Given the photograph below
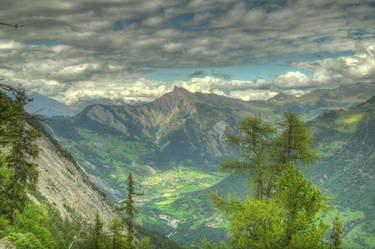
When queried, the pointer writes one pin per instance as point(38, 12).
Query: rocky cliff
point(67, 187)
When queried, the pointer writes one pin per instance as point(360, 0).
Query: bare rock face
point(67, 187)
point(5, 244)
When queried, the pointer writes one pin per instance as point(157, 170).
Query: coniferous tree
point(301, 201)
point(254, 144)
point(96, 234)
point(336, 233)
point(281, 213)
point(130, 211)
point(117, 238)
point(291, 146)
point(18, 137)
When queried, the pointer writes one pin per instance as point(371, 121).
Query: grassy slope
point(347, 142)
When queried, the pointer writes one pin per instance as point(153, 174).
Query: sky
point(138, 50)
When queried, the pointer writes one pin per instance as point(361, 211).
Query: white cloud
point(253, 94)
point(153, 21)
point(173, 47)
point(89, 58)
point(344, 70)
point(292, 80)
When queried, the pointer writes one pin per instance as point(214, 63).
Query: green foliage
point(96, 236)
point(19, 138)
point(294, 142)
point(144, 243)
point(301, 200)
point(39, 223)
point(129, 210)
point(117, 239)
point(265, 155)
point(25, 241)
point(254, 145)
point(287, 218)
point(336, 234)
point(205, 244)
point(258, 224)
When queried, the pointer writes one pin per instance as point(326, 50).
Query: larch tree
point(293, 145)
point(281, 212)
point(253, 143)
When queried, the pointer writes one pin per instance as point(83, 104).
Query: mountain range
point(173, 144)
point(41, 105)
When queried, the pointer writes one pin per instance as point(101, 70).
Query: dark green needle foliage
point(96, 234)
point(281, 213)
point(118, 240)
point(130, 211)
point(18, 139)
point(336, 234)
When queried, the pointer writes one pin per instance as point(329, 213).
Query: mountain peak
point(283, 97)
point(177, 89)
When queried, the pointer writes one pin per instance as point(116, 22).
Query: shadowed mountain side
point(47, 107)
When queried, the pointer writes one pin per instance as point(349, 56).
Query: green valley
point(173, 146)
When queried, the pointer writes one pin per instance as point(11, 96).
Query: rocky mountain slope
point(67, 187)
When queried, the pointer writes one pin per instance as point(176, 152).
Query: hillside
point(173, 146)
point(47, 107)
point(346, 140)
point(320, 101)
point(67, 187)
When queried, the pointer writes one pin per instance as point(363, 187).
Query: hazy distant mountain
point(47, 107)
point(319, 101)
point(179, 128)
point(81, 104)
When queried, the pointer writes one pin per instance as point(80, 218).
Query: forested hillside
point(47, 200)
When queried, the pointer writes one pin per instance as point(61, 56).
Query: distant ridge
point(47, 107)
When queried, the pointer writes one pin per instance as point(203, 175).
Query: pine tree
point(336, 233)
point(130, 211)
point(19, 138)
point(96, 234)
point(117, 240)
point(301, 201)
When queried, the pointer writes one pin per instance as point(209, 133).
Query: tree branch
point(16, 26)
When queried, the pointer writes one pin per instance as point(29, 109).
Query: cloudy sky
point(137, 50)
